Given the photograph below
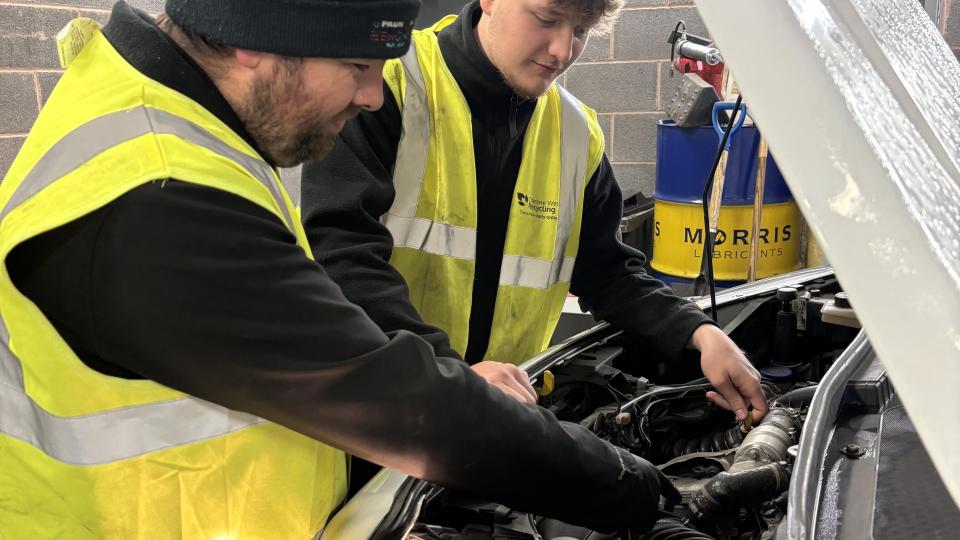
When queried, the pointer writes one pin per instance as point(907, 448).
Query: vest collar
point(140, 42)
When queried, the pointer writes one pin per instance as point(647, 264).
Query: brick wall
point(625, 76)
point(29, 68)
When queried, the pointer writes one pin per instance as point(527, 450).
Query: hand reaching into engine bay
point(507, 377)
point(728, 370)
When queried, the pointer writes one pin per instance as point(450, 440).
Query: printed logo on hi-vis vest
point(537, 208)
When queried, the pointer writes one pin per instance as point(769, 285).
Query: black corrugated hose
point(673, 529)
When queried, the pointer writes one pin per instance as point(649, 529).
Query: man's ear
point(249, 59)
point(486, 6)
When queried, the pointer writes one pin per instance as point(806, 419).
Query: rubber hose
point(672, 529)
point(797, 398)
point(729, 491)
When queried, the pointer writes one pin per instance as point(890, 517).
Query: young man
point(173, 363)
point(481, 186)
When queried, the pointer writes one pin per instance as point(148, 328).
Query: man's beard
point(285, 140)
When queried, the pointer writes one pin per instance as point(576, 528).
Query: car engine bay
point(733, 477)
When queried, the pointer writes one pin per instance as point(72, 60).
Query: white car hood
point(860, 103)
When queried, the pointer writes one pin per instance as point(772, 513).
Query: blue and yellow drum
point(684, 157)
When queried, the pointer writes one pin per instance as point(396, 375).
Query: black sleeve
point(208, 293)
point(610, 280)
point(343, 197)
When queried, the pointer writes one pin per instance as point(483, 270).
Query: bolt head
point(793, 452)
point(853, 451)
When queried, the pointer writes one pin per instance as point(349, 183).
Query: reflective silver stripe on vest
point(117, 434)
point(535, 273)
point(407, 229)
point(133, 431)
point(574, 149)
point(460, 242)
point(411, 155)
point(414, 139)
point(10, 371)
point(433, 237)
point(105, 132)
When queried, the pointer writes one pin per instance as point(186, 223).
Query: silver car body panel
point(804, 495)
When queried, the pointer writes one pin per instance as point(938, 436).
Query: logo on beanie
point(392, 33)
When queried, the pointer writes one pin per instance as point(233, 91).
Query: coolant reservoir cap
point(776, 373)
point(786, 293)
point(841, 301)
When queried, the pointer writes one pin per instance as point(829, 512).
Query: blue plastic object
point(684, 156)
point(715, 118)
point(776, 373)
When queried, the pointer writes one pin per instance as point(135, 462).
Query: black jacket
point(208, 293)
point(345, 194)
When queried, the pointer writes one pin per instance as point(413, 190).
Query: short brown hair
point(204, 51)
point(599, 16)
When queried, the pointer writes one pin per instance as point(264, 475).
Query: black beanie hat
point(307, 28)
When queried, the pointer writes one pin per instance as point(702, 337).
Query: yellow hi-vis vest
point(433, 219)
point(85, 455)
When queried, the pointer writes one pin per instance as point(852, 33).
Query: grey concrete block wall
point(29, 68)
point(8, 150)
point(597, 49)
point(625, 78)
point(608, 87)
point(47, 81)
point(27, 35)
point(634, 178)
point(20, 106)
point(634, 137)
point(644, 32)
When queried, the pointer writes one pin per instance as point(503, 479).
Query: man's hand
point(509, 378)
point(729, 371)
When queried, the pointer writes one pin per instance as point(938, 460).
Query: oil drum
point(684, 158)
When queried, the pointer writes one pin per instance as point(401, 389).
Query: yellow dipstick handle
point(547, 387)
